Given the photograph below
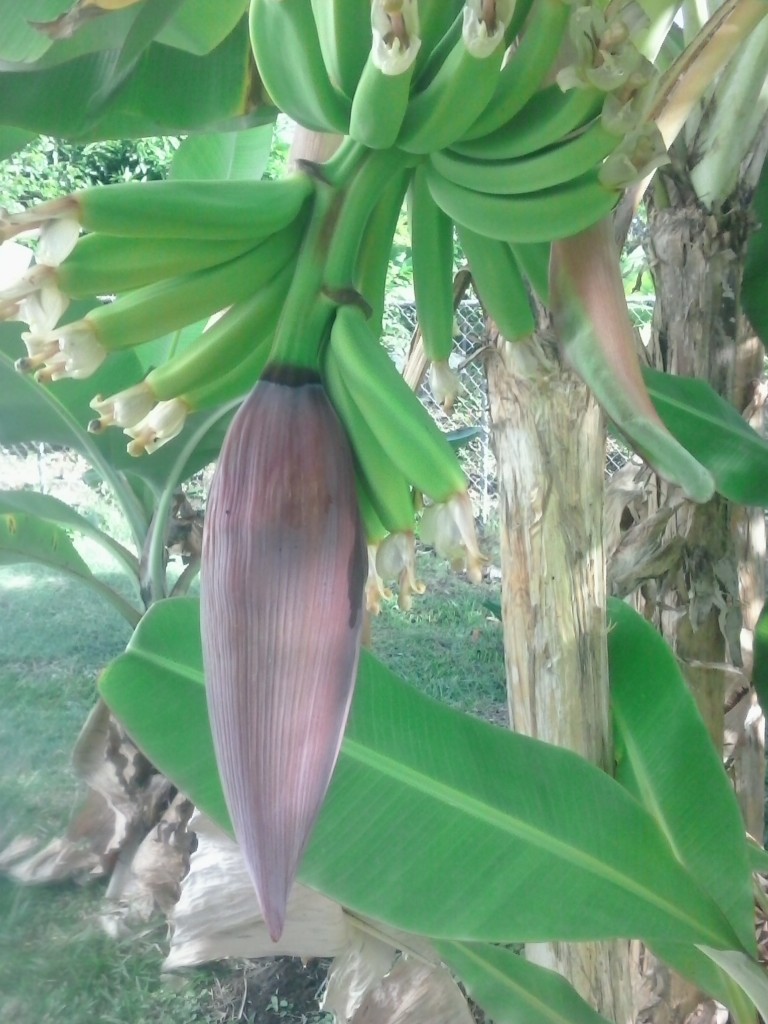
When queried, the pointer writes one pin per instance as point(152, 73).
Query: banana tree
point(454, 104)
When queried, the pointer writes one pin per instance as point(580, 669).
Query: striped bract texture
point(284, 567)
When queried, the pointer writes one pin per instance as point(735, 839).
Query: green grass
point(55, 961)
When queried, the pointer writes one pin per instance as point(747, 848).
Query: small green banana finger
point(432, 257)
point(342, 30)
point(106, 264)
point(166, 306)
point(381, 97)
point(533, 260)
point(375, 253)
point(499, 283)
point(548, 167)
point(398, 420)
point(549, 116)
point(536, 217)
point(389, 492)
point(205, 210)
point(226, 343)
point(436, 17)
point(290, 63)
point(442, 111)
point(526, 69)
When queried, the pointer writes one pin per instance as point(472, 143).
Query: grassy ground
point(55, 962)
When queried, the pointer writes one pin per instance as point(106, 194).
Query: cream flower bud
point(396, 42)
point(450, 529)
point(75, 351)
point(375, 589)
point(58, 238)
point(161, 424)
point(124, 409)
point(444, 384)
point(396, 560)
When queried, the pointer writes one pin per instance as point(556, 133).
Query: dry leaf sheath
point(284, 567)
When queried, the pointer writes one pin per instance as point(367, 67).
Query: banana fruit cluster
point(465, 110)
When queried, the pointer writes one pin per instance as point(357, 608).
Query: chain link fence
point(33, 465)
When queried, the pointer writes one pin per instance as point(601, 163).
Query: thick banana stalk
point(593, 327)
point(284, 569)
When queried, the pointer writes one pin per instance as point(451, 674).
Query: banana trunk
point(284, 569)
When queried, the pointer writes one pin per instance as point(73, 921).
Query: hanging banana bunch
point(464, 107)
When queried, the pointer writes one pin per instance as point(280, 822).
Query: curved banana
point(290, 63)
point(388, 490)
point(592, 323)
point(535, 217)
point(166, 306)
point(375, 253)
point(542, 169)
point(442, 111)
point(548, 116)
point(533, 260)
point(526, 69)
point(106, 264)
point(398, 420)
point(432, 258)
point(342, 31)
point(246, 326)
point(499, 283)
point(436, 20)
point(381, 97)
point(249, 210)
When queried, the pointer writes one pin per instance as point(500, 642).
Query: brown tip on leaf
point(67, 24)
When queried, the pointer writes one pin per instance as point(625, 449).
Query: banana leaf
point(26, 539)
point(513, 991)
point(166, 91)
point(666, 759)
point(754, 288)
point(435, 822)
point(714, 433)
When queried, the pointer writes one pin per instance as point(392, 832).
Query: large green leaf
point(714, 433)
point(760, 659)
point(755, 282)
point(24, 538)
point(435, 822)
point(199, 26)
point(709, 977)
point(666, 759)
point(224, 155)
point(166, 92)
point(50, 510)
point(513, 991)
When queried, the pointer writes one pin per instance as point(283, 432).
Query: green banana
point(176, 209)
point(526, 69)
point(388, 490)
point(290, 63)
point(398, 420)
point(436, 19)
point(536, 217)
point(443, 110)
point(549, 116)
point(160, 308)
point(236, 382)
point(542, 169)
point(105, 264)
point(381, 97)
point(248, 325)
point(499, 283)
point(375, 253)
point(533, 260)
point(432, 257)
point(342, 31)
